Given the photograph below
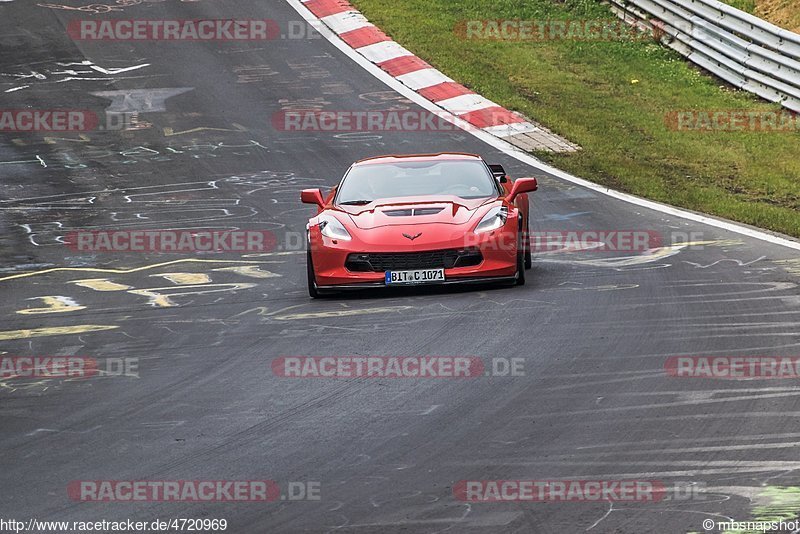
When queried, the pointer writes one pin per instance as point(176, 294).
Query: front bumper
point(498, 249)
point(452, 281)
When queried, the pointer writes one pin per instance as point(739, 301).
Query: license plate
point(421, 276)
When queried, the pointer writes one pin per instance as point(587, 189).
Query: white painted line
point(345, 21)
point(465, 103)
point(526, 158)
point(120, 70)
point(507, 130)
point(421, 79)
point(383, 51)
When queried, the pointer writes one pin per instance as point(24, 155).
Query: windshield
point(462, 178)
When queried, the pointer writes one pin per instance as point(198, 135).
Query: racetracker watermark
point(595, 240)
point(553, 241)
point(592, 241)
point(374, 121)
point(174, 241)
point(188, 30)
point(733, 367)
point(577, 491)
point(48, 120)
point(66, 120)
point(559, 490)
point(395, 367)
point(555, 30)
point(38, 367)
point(733, 121)
point(192, 491)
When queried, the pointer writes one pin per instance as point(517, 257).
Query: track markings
point(53, 331)
point(53, 304)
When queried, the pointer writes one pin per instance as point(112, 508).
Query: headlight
point(331, 227)
point(494, 219)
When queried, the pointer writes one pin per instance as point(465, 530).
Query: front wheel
point(528, 253)
point(312, 279)
point(520, 263)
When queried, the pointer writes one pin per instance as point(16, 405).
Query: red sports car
point(419, 219)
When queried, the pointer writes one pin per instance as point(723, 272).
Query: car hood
point(416, 211)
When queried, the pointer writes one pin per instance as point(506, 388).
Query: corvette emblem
point(412, 237)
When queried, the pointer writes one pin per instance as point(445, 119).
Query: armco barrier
point(743, 50)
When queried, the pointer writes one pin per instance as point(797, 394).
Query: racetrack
point(594, 328)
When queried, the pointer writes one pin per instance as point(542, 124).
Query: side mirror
point(312, 196)
point(522, 185)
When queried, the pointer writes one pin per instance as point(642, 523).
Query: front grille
point(406, 261)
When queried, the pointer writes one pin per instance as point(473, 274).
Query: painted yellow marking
point(82, 138)
point(253, 271)
point(54, 304)
point(790, 266)
point(710, 243)
point(101, 284)
point(161, 300)
point(118, 271)
point(169, 132)
point(720, 243)
point(53, 331)
point(156, 299)
point(341, 313)
point(185, 278)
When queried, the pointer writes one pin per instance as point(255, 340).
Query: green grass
point(748, 6)
point(585, 92)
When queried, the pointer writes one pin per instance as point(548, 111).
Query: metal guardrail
point(743, 50)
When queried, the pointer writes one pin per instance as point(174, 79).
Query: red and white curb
point(378, 48)
point(686, 218)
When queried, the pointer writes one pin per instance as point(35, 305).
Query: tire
point(528, 253)
point(520, 263)
point(312, 280)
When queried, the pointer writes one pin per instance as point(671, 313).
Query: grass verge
point(748, 6)
point(612, 97)
point(784, 13)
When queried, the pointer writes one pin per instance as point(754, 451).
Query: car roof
point(442, 156)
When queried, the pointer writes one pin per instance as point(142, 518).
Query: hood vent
point(412, 212)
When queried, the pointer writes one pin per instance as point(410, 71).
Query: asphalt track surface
point(594, 329)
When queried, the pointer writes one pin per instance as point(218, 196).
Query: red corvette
point(419, 219)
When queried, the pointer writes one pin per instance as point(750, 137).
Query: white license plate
point(420, 276)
